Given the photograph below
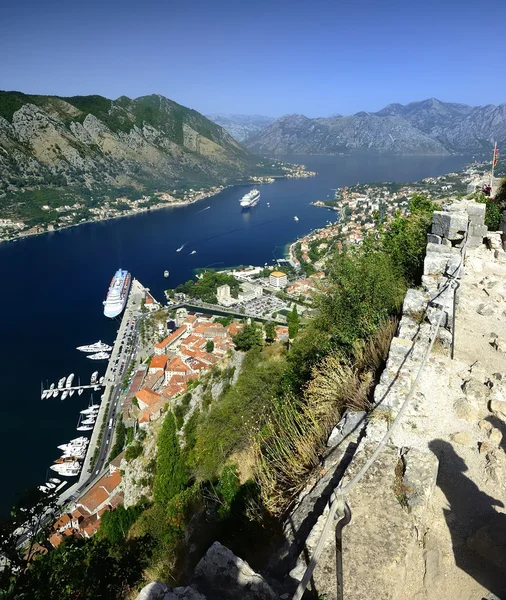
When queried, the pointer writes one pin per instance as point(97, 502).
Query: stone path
point(463, 553)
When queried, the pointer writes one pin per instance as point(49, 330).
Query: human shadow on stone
point(477, 530)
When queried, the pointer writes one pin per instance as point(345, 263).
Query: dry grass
point(289, 447)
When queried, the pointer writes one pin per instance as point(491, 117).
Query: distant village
point(77, 213)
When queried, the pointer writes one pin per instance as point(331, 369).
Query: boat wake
point(181, 247)
point(200, 211)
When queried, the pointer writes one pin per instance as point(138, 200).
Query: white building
point(223, 296)
point(278, 280)
point(249, 292)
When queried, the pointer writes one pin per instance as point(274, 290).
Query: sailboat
point(81, 426)
point(181, 247)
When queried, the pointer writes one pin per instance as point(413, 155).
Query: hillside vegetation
point(86, 148)
point(231, 466)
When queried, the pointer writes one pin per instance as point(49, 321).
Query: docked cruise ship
point(117, 294)
point(250, 199)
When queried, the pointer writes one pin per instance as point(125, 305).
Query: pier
point(75, 388)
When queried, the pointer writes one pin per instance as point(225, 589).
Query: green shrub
point(171, 473)
point(133, 451)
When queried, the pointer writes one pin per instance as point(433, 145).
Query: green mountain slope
point(90, 145)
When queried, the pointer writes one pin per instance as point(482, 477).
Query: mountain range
point(91, 143)
point(426, 127)
point(241, 127)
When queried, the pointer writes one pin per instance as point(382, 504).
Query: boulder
point(485, 425)
point(463, 438)
point(495, 436)
point(498, 408)
point(486, 310)
point(465, 410)
point(156, 590)
point(475, 391)
point(221, 575)
point(435, 264)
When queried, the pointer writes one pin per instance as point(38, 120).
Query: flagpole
point(493, 163)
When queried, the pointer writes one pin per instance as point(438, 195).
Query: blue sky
point(315, 57)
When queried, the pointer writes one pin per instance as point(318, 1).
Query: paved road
point(123, 352)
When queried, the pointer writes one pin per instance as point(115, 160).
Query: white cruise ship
point(117, 294)
point(250, 199)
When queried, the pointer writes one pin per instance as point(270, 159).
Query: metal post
point(457, 284)
point(339, 550)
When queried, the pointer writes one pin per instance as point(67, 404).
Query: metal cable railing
point(338, 502)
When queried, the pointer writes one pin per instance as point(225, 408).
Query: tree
point(84, 570)
point(270, 331)
point(115, 524)
point(209, 346)
point(293, 323)
point(171, 473)
point(247, 337)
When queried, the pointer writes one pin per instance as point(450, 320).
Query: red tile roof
point(171, 338)
point(147, 396)
point(158, 361)
point(176, 364)
point(94, 498)
point(110, 482)
point(56, 539)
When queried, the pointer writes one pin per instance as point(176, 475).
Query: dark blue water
point(53, 286)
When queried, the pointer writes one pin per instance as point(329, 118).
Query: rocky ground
point(463, 421)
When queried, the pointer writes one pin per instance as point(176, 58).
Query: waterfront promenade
point(109, 400)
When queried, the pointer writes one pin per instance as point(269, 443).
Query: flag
point(496, 155)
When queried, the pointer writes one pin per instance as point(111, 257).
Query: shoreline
point(175, 204)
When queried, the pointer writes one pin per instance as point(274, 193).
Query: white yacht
point(45, 394)
point(94, 377)
point(89, 421)
point(80, 391)
point(55, 393)
point(296, 218)
point(61, 383)
point(98, 356)
point(99, 346)
point(43, 488)
point(70, 469)
point(71, 392)
point(65, 394)
point(55, 480)
point(70, 379)
point(250, 199)
point(101, 380)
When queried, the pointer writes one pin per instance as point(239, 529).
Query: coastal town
point(182, 342)
point(59, 215)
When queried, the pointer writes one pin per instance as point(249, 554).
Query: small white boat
point(70, 379)
point(165, 274)
point(89, 411)
point(42, 488)
point(71, 392)
point(80, 391)
point(94, 377)
point(84, 428)
point(99, 356)
point(181, 247)
point(55, 393)
point(193, 252)
point(101, 380)
point(65, 394)
point(88, 421)
point(51, 387)
point(296, 218)
point(268, 203)
point(51, 486)
point(61, 383)
point(45, 393)
point(55, 480)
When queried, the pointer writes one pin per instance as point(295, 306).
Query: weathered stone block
point(478, 230)
point(435, 263)
point(415, 302)
point(434, 239)
point(449, 225)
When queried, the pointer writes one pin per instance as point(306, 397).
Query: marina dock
point(75, 388)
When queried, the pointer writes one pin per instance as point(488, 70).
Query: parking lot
point(264, 306)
